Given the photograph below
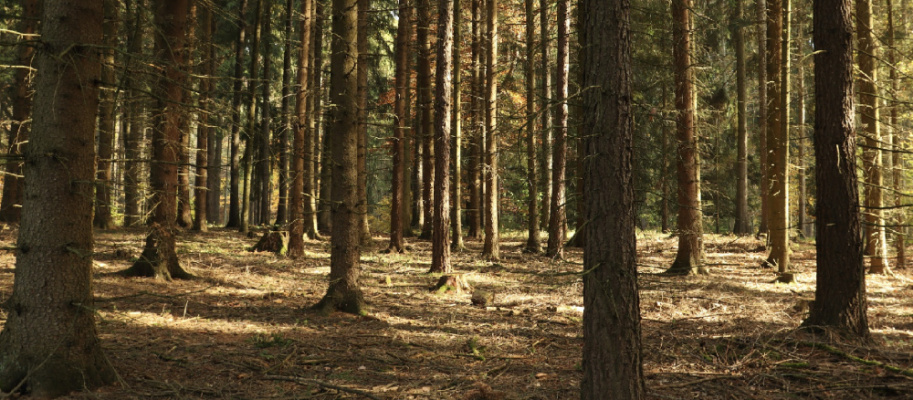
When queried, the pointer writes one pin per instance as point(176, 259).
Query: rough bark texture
point(234, 175)
point(875, 242)
point(397, 204)
point(344, 293)
point(742, 221)
point(612, 360)
point(778, 137)
point(557, 223)
point(300, 197)
point(762, 109)
point(423, 82)
point(456, 148)
point(250, 145)
point(185, 215)
point(264, 148)
point(898, 138)
point(133, 141)
point(158, 258)
point(689, 258)
point(312, 143)
point(285, 124)
point(106, 123)
point(440, 241)
point(205, 126)
point(362, 120)
point(801, 135)
point(474, 213)
point(545, 94)
point(491, 246)
point(840, 300)
point(49, 339)
point(533, 244)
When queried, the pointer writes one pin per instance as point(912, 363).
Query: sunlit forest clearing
point(244, 329)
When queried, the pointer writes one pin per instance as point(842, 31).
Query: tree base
point(341, 298)
point(451, 283)
point(684, 269)
point(159, 259)
point(272, 241)
point(785, 277)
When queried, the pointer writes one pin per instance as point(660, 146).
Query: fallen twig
point(305, 381)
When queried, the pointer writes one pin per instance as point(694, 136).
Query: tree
point(134, 112)
point(896, 156)
point(312, 143)
point(742, 222)
point(362, 119)
point(762, 111)
point(49, 340)
point(840, 300)
point(475, 153)
point(264, 171)
point(106, 123)
point(286, 124)
point(532, 242)
point(689, 257)
point(545, 95)
point(456, 214)
point(876, 243)
point(344, 293)
point(426, 127)
point(778, 136)
point(802, 202)
point(612, 361)
point(234, 196)
point(159, 259)
point(557, 224)
point(300, 198)
point(204, 128)
point(491, 246)
point(397, 202)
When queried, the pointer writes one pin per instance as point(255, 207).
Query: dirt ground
point(243, 329)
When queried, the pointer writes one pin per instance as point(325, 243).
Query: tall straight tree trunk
point(300, 198)
point(362, 120)
point(11, 201)
point(344, 293)
point(185, 216)
point(801, 132)
point(876, 243)
point(475, 149)
point(456, 213)
point(898, 138)
point(285, 124)
point(312, 143)
point(48, 344)
point(409, 133)
point(689, 258)
point(135, 108)
point(545, 95)
point(264, 147)
point(440, 241)
point(159, 258)
point(234, 196)
point(778, 136)
point(763, 112)
point(742, 222)
point(491, 246)
point(397, 204)
point(106, 123)
point(664, 202)
point(840, 300)
point(250, 141)
point(205, 124)
point(612, 359)
point(532, 242)
point(427, 124)
point(557, 224)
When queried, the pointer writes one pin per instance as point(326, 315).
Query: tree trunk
point(300, 197)
point(689, 258)
point(423, 80)
point(802, 203)
point(344, 293)
point(312, 143)
point(204, 126)
point(106, 123)
point(263, 162)
point(456, 213)
point(840, 300)
point(612, 360)
point(397, 205)
point(184, 215)
point(557, 224)
point(545, 93)
point(133, 136)
point(778, 135)
point(159, 259)
point(234, 196)
point(742, 222)
point(491, 246)
point(532, 242)
point(875, 244)
point(763, 111)
point(475, 148)
point(440, 242)
point(285, 124)
point(49, 343)
point(362, 120)
point(898, 138)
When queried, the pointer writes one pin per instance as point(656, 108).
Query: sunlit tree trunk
point(778, 136)
point(545, 95)
point(300, 198)
point(250, 141)
point(440, 242)
point(397, 205)
point(491, 246)
point(264, 170)
point(423, 80)
point(742, 223)
point(762, 111)
point(234, 196)
point(205, 124)
point(132, 136)
point(532, 242)
point(313, 180)
point(557, 224)
point(475, 149)
point(456, 196)
point(285, 126)
point(898, 138)
point(362, 119)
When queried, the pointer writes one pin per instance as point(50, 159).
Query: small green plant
point(475, 348)
point(262, 341)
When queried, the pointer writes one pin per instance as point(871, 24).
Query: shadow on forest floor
point(246, 323)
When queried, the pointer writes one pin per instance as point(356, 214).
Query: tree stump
point(272, 241)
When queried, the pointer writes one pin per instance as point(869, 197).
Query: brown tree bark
point(557, 224)
point(840, 300)
point(344, 293)
point(133, 140)
point(313, 156)
point(456, 195)
point(159, 259)
point(763, 111)
point(533, 244)
point(876, 244)
point(440, 241)
point(612, 360)
point(234, 196)
point(689, 258)
point(264, 146)
point(545, 94)
point(491, 246)
point(397, 204)
point(742, 222)
point(205, 125)
point(474, 172)
point(106, 122)
point(778, 136)
point(49, 342)
point(250, 140)
point(801, 132)
point(362, 120)
point(300, 198)
point(285, 124)
point(184, 214)
point(898, 137)
point(423, 82)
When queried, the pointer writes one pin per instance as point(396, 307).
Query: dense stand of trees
point(390, 124)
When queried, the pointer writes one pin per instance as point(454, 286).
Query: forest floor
point(243, 329)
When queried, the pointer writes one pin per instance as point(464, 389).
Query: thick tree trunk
point(840, 300)
point(300, 198)
point(234, 196)
point(159, 259)
point(557, 224)
point(423, 80)
point(876, 244)
point(742, 222)
point(689, 258)
point(205, 125)
point(344, 293)
point(491, 246)
point(106, 123)
point(532, 241)
point(397, 205)
point(440, 241)
point(778, 136)
point(612, 360)
point(49, 343)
